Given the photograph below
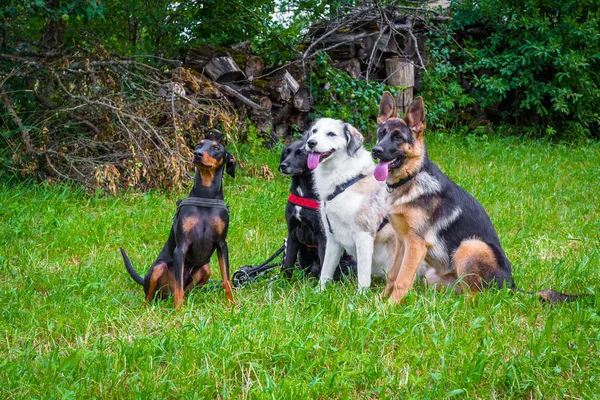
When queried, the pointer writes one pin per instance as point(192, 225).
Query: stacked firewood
point(274, 99)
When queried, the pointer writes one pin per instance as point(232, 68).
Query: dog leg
point(291, 255)
point(223, 256)
point(364, 259)
point(178, 266)
point(199, 278)
point(395, 266)
point(333, 252)
point(414, 253)
point(157, 280)
point(476, 264)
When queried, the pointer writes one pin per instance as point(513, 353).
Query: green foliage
point(339, 96)
point(533, 63)
point(75, 325)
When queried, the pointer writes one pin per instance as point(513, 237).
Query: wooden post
point(401, 72)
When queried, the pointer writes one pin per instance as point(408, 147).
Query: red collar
point(303, 202)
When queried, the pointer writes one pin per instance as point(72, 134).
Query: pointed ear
point(230, 166)
point(354, 138)
point(415, 116)
point(387, 108)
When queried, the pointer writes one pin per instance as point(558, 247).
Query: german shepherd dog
point(437, 221)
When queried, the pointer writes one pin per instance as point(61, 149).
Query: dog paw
point(322, 286)
point(362, 291)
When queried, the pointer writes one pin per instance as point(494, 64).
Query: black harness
point(200, 202)
point(339, 189)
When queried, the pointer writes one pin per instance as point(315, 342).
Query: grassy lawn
point(74, 324)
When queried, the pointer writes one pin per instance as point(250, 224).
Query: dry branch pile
point(363, 41)
point(109, 123)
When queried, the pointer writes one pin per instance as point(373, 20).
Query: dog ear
point(230, 166)
point(415, 116)
point(354, 138)
point(387, 108)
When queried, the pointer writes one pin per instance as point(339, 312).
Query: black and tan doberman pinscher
point(199, 228)
point(437, 220)
point(306, 239)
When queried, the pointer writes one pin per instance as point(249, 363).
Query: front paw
point(322, 286)
point(362, 290)
point(397, 296)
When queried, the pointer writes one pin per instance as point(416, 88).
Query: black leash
point(250, 273)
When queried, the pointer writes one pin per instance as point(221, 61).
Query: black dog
point(199, 228)
point(306, 240)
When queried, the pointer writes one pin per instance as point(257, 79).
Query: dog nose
point(377, 151)
point(283, 167)
point(198, 153)
point(311, 143)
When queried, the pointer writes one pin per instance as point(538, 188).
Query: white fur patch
point(424, 184)
point(437, 254)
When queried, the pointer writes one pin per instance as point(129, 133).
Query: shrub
point(533, 63)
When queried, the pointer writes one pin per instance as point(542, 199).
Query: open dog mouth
point(383, 167)
point(315, 158)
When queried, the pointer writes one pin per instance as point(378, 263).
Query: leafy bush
point(533, 63)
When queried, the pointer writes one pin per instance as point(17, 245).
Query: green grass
point(74, 324)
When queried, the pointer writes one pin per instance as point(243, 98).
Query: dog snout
point(377, 151)
point(311, 143)
point(198, 153)
point(283, 167)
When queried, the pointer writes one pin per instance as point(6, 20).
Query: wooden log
point(302, 100)
point(400, 72)
point(403, 100)
point(223, 69)
point(280, 112)
point(352, 67)
point(254, 67)
point(280, 87)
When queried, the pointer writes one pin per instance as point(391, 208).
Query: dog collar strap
point(400, 182)
point(340, 188)
point(303, 202)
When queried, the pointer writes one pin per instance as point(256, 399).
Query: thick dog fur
point(354, 215)
point(306, 239)
point(437, 221)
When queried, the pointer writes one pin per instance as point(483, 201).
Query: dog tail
point(134, 275)
point(552, 296)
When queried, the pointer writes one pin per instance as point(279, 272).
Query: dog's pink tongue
point(381, 170)
point(313, 160)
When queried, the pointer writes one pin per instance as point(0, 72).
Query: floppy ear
point(387, 108)
point(230, 166)
point(354, 138)
point(415, 116)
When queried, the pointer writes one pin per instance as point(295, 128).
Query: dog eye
point(330, 134)
point(299, 152)
point(398, 136)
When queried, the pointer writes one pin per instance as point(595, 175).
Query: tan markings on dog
point(214, 143)
point(475, 263)
point(190, 222)
point(415, 250)
point(217, 223)
point(421, 185)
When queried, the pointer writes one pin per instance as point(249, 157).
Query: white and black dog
point(353, 204)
